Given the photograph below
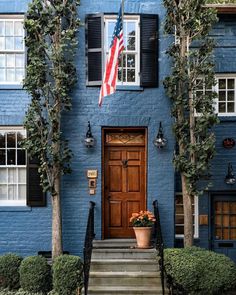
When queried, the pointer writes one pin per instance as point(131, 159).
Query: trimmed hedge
point(19, 292)
point(198, 271)
point(9, 271)
point(35, 274)
point(67, 274)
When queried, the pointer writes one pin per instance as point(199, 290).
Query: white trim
point(196, 218)
point(12, 203)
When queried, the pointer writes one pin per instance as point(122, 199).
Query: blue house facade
point(124, 172)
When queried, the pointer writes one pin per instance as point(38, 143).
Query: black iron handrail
point(158, 240)
point(88, 245)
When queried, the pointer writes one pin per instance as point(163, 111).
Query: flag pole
point(122, 55)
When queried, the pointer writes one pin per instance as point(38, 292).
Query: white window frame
point(14, 18)
point(196, 219)
point(127, 18)
point(216, 89)
point(15, 203)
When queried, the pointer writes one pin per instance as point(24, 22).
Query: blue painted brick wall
point(27, 230)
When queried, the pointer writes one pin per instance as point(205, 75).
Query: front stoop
point(117, 268)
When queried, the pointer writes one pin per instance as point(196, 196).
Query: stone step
point(114, 243)
point(124, 254)
point(124, 290)
point(124, 265)
point(124, 279)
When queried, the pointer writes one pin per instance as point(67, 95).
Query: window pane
point(2, 28)
point(12, 192)
point(22, 192)
point(20, 137)
point(179, 230)
point(2, 43)
point(2, 140)
point(20, 60)
point(11, 140)
point(222, 107)
point(111, 26)
point(230, 107)
point(2, 75)
point(11, 157)
point(21, 159)
point(12, 175)
point(230, 83)
point(19, 28)
point(130, 28)
point(225, 207)
point(3, 175)
point(9, 28)
point(2, 60)
point(179, 219)
point(222, 95)
point(9, 43)
point(231, 95)
point(130, 75)
point(120, 76)
point(19, 75)
point(222, 83)
point(131, 43)
point(2, 157)
point(10, 60)
point(19, 43)
point(233, 234)
point(130, 60)
point(3, 192)
point(10, 75)
point(22, 175)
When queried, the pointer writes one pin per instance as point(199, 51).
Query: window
point(179, 216)
point(12, 50)
point(138, 66)
point(225, 88)
point(128, 71)
point(12, 167)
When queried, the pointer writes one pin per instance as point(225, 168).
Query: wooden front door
point(124, 183)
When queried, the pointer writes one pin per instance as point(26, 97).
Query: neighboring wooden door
point(124, 188)
point(224, 225)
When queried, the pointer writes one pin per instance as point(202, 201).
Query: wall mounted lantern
point(160, 141)
point(89, 140)
point(230, 178)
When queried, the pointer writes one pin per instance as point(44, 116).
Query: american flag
point(117, 46)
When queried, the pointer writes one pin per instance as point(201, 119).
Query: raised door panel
point(133, 179)
point(115, 216)
point(115, 175)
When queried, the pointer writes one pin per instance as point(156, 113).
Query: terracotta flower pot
point(143, 236)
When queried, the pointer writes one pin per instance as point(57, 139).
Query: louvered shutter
point(149, 50)
point(35, 195)
point(94, 49)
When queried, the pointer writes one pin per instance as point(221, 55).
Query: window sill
point(129, 88)
point(11, 87)
point(15, 209)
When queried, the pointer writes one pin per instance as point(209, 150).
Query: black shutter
point(35, 195)
point(149, 50)
point(94, 49)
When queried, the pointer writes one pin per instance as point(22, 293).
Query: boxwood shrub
point(35, 274)
point(198, 271)
point(67, 274)
point(9, 271)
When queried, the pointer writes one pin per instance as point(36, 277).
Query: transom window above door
point(12, 49)
point(129, 66)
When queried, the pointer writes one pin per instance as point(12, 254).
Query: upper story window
point(129, 67)
point(12, 49)
point(139, 61)
point(12, 167)
point(225, 104)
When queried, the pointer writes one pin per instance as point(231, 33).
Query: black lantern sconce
point(89, 140)
point(160, 140)
point(230, 178)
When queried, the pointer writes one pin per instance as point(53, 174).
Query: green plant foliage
point(67, 274)
point(221, 2)
point(19, 292)
point(51, 43)
point(7, 292)
point(35, 274)
point(199, 271)
point(9, 271)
